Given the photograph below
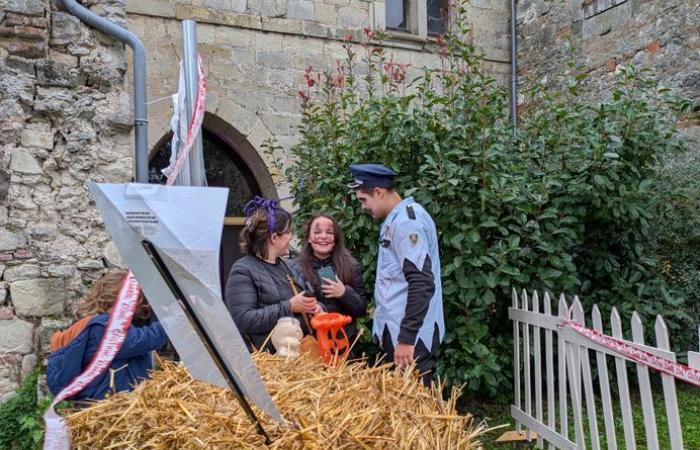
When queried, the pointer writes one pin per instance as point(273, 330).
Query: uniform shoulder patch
point(411, 213)
point(413, 237)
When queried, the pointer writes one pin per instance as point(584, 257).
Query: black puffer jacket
point(257, 294)
point(353, 302)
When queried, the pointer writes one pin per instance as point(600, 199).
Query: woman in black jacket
point(258, 289)
point(325, 252)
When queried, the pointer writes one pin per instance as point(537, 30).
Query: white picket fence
point(549, 416)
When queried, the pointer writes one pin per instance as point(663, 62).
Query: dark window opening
point(224, 168)
point(438, 14)
point(396, 14)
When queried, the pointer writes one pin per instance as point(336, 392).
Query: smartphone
point(327, 272)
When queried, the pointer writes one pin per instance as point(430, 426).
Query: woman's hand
point(303, 304)
point(332, 289)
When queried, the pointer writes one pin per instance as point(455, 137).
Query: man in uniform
point(408, 319)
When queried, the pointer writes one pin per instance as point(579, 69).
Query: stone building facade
point(65, 118)
point(601, 34)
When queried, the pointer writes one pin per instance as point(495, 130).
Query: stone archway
point(230, 161)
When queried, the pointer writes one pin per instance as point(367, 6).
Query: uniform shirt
point(407, 235)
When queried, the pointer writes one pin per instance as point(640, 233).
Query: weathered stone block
point(279, 124)
point(300, 9)
point(349, 17)
point(6, 312)
point(38, 297)
point(63, 59)
point(280, 25)
point(47, 328)
point(325, 13)
point(268, 8)
point(91, 264)
point(37, 135)
point(206, 15)
point(112, 256)
point(61, 271)
point(22, 272)
point(65, 28)
point(162, 8)
point(10, 241)
point(28, 364)
point(273, 59)
point(29, 7)
point(23, 162)
point(54, 100)
point(30, 50)
point(12, 19)
point(16, 336)
point(51, 73)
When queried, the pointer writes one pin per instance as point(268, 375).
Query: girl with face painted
point(327, 265)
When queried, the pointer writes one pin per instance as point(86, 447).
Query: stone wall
point(659, 34)
point(255, 53)
point(64, 119)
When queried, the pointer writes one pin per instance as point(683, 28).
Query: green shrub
point(564, 204)
point(21, 424)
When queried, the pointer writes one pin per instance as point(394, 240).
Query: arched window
point(224, 167)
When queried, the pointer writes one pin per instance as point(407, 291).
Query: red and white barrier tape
point(57, 436)
point(195, 123)
point(619, 346)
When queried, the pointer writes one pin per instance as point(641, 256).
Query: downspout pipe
point(513, 66)
point(140, 107)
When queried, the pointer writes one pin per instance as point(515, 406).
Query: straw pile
point(351, 406)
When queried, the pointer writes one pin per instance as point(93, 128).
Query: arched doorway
point(231, 162)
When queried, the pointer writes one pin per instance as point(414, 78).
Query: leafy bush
point(21, 424)
point(566, 203)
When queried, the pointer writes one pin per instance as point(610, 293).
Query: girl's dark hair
point(263, 221)
point(343, 261)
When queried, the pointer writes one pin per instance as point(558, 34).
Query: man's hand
point(403, 355)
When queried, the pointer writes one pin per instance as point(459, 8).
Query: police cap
point(371, 176)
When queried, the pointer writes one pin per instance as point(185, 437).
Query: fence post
point(645, 388)
point(549, 363)
point(538, 366)
point(561, 356)
point(669, 384)
point(526, 361)
point(623, 385)
point(516, 359)
point(602, 363)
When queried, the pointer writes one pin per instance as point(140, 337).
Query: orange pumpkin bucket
point(332, 339)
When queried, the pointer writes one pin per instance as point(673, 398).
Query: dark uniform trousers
point(425, 358)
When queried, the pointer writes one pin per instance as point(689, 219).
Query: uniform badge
point(413, 237)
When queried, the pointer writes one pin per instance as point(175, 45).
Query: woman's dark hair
point(265, 218)
point(343, 261)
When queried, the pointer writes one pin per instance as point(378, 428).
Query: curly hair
point(255, 234)
point(103, 295)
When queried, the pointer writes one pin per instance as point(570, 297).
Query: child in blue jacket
point(73, 348)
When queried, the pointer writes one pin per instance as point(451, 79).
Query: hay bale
point(351, 406)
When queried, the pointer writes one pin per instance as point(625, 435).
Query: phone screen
point(327, 272)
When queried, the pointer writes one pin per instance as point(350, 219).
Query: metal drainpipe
point(513, 66)
point(140, 109)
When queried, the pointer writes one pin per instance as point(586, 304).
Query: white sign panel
point(184, 226)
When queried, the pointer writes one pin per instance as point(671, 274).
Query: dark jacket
point(131, 364)
point(353, 302)
point(257, 295)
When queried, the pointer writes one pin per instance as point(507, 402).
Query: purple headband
point(263, 203)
